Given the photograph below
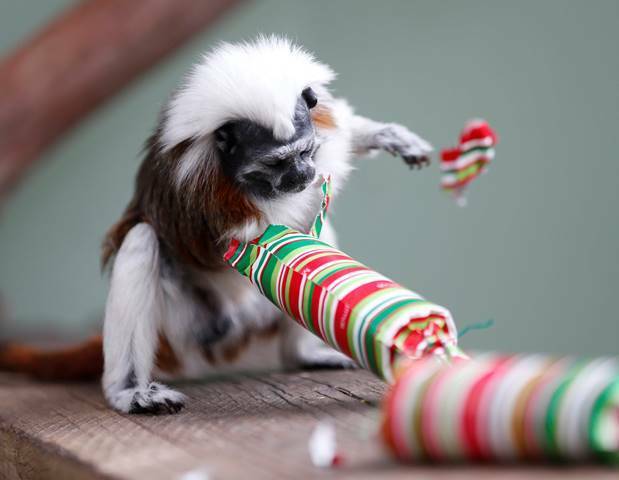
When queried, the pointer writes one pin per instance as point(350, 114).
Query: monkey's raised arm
point(369, 135)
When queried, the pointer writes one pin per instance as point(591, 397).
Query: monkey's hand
point(399, 140)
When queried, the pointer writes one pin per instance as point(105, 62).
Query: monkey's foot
point(399, 140)
point(155, 399)
point(324, 357)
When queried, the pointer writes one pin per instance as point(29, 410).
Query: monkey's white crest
point(259, 81)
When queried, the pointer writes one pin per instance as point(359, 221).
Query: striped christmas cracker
point(505, 408)
point(354, 309)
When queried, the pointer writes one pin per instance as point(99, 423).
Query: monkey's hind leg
point(302, 349)
point(130, 332)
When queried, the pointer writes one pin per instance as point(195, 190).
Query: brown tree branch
point(82, 58)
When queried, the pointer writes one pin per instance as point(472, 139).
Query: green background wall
point(536, 250)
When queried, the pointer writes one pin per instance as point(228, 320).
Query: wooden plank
point(245, 427)
point(80, 59)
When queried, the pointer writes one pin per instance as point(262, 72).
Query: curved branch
point(82, 58)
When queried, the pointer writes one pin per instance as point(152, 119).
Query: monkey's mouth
point(297, 183)
point(264, 186)
point(296, 189)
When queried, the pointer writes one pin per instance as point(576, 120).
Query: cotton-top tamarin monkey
point(238, 146)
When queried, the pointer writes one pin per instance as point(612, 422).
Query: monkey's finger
point(416, 161)
point(173, 407)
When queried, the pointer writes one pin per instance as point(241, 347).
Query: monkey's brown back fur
point(187, 224)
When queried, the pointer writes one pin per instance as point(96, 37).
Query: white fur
point(133, 306)
point(371, 136)
point(259, 81)
point(132, 316)
point(239, 300)
point(192, 158)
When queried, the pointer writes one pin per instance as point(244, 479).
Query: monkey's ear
point(310, 97)
point(225, 140)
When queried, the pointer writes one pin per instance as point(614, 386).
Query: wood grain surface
point(247, 427)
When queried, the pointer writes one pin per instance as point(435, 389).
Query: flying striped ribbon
point(464, 163)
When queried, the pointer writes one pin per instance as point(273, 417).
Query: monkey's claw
point(156, 408)
point(416, 162)
point(155, 399)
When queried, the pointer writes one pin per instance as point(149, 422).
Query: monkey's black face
point(264, 166)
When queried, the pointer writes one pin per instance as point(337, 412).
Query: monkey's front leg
point(130, 330)
point(368, 135)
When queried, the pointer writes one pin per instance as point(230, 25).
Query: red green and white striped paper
point(505, 408)
point(354, 309)
point(464, 163)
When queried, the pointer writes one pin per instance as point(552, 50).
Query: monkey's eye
point(310, 97)
point(275, 162)
point(225, 138)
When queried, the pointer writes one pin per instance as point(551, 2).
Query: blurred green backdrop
point(535, 250)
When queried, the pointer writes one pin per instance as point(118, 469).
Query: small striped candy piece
point(464, 163)
point(354, 309)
